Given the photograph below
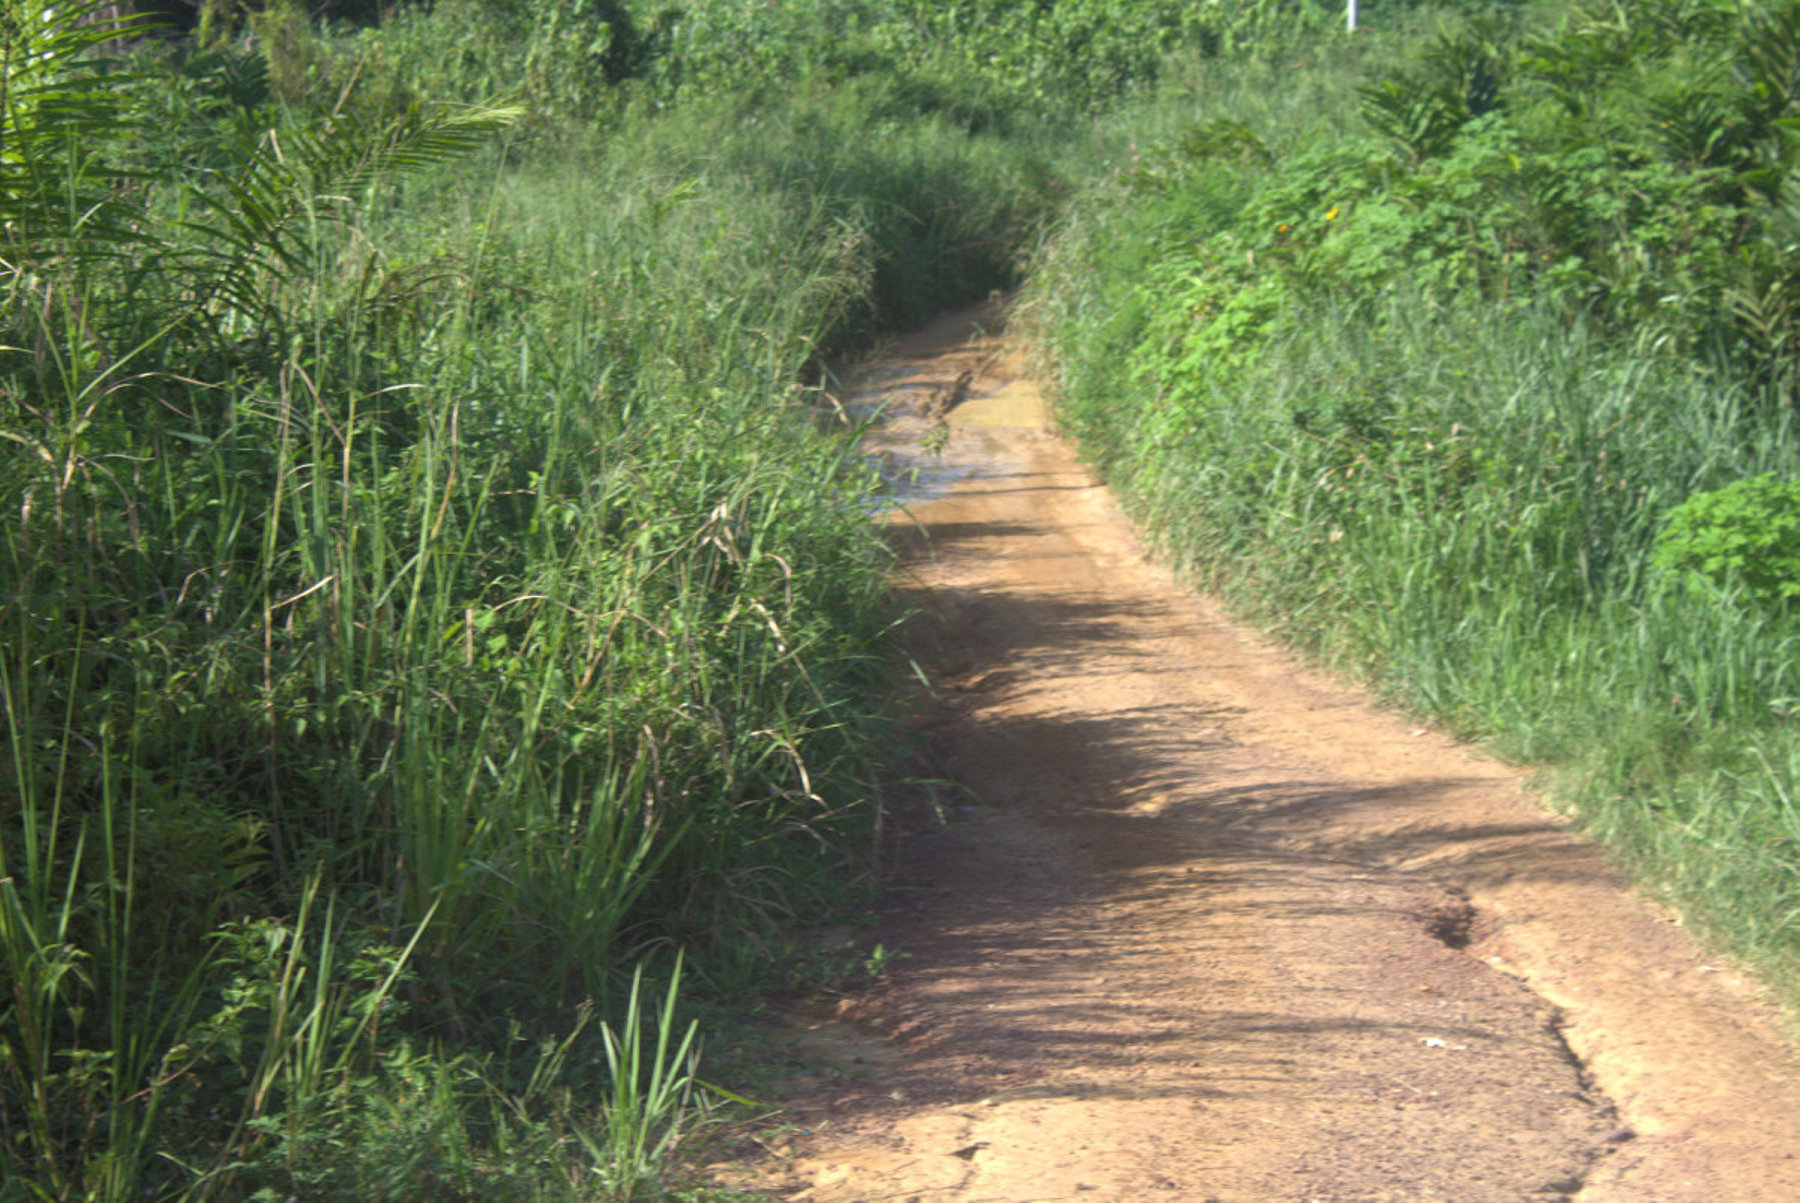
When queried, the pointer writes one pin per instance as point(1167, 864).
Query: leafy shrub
point(1746, 533)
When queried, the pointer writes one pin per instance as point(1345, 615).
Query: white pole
point(1350, 16)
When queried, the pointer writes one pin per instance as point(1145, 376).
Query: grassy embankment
point(1462, 364)
point(430, 586)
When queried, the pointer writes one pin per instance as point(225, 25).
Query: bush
point(1747, 533)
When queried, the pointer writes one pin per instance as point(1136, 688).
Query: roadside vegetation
point(1465, 359)
point(440, 627)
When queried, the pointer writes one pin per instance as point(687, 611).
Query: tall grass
point(436, 588)
point(1453, 492)
point(1492, 566)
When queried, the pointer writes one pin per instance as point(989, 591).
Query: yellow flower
point(1331, 213)
point(1282, 228)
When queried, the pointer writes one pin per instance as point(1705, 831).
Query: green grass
point(437, 589)
point(1449, 478)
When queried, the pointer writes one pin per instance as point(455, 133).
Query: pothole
point(1455, 922)
point(1452, 921)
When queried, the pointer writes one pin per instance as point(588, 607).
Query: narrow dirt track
point(1206, 926)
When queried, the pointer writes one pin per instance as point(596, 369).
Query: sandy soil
point(1205, 925)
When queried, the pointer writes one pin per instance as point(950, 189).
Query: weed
point(1747, 532)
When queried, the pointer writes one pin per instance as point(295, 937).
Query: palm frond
point(63, 106)
point(260, 223)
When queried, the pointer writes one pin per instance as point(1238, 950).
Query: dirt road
point(1204, 925)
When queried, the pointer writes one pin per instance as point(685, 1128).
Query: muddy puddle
point(925, 447)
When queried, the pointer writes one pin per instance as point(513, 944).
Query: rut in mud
point(1204, 926)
